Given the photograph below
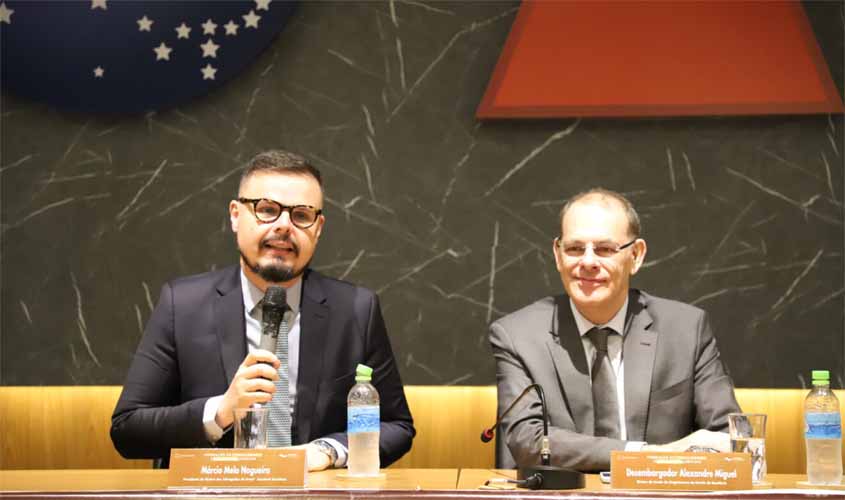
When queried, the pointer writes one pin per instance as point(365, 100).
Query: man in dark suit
point(199, 358)
point(621, 369)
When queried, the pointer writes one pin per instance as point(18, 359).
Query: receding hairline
point(606, 198)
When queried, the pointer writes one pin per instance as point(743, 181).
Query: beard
point(277, 271)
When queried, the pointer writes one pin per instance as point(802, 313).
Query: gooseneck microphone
point(543, 476)
point(272, 310)
point(490, 433)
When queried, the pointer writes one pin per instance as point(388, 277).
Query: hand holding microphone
point(253, 382)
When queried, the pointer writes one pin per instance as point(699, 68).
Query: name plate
point(651, 470)
point(237, 468)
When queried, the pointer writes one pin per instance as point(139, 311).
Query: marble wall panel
point(451, 220)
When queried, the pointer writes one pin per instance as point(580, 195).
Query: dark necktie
point(605, 404)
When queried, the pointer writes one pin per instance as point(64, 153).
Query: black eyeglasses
point(603, 250)
point(302, 216)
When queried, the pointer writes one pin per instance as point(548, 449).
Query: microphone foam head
point(275, 296)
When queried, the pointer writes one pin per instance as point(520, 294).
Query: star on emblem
point(231, 28)
point(208, 27)
point(208, 72)
point(262, 4)
point(209, 49)
point(251, 20)
point(162, 52)
point(5, 14)
point(183, 31)
point(99, 4)
point(98, 72)
point(144, 24)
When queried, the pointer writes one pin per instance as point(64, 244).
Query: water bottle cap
point(363, 373)
point(821, 375)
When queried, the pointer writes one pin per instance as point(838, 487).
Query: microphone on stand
point(545, 452)
point(544, 476)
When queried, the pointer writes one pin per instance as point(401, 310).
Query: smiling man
point(620, 369)
point(199, 358)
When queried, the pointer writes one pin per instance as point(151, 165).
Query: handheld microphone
point(272, 309)
point(544, 476)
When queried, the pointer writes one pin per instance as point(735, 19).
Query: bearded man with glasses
point(200, 356)
point(621, 369)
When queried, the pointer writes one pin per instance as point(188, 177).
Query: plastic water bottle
point(823, 432)
point(362, 425)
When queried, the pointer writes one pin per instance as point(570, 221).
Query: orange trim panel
point(659, 58)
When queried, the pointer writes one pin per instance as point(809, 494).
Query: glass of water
point(748, 435)
point(251, 427)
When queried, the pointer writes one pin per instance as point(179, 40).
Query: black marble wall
point(449, 219)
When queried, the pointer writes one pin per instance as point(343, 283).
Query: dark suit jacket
point(195, 341)
point(675, 382)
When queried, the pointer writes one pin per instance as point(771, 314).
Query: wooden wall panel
point(66, 427)
point(59, 427)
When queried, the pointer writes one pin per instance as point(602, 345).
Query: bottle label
point(826, 425)
point(362, 419)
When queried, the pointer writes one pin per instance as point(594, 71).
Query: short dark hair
point(280, 162)
point(634, 227)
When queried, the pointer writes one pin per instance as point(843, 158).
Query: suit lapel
point(230, 323)
point(638, 350)
point(313, 335)
point(570, 362)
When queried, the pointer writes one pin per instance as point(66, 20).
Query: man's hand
point(706, 439)
point(317, 458)
point(253, 383)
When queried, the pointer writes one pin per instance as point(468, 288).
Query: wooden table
point(397, 484)
point(130, 480)
point(83, 480)
point(473, 479)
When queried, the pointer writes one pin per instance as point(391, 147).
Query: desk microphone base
point(546, 477)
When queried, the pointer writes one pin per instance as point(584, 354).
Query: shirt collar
point(616, 323)
point(253, 295)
